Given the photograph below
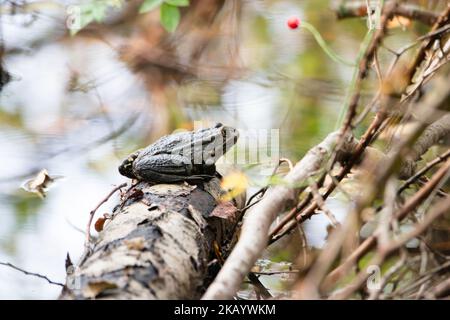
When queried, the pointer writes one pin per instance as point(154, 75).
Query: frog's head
point(229, 135)
point(222, 139)
point(126, 168)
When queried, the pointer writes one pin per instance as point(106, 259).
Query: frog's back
point(173, 143)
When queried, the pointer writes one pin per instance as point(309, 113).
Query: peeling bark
point(159, 245)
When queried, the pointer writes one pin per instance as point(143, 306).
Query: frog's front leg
point(166, 168)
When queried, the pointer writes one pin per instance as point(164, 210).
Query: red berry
point(293, 22)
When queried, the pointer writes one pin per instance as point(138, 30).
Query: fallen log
point(161, 243)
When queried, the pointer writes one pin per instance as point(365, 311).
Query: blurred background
point(77, 105)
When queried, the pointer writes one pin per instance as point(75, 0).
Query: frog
point(185, 156)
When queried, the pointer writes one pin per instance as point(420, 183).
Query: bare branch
point(91, 216)
point(371, 241)
point(255, 229)
point(358, 9)
point(424, 170)
point(7, 264)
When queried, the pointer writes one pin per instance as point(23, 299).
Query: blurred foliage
point(11, 119)
point(96, 11)
point(26, 208)
point(305, 105)
point(92, 11)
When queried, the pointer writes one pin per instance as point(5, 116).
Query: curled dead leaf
point(41, 183)
point(99, 224)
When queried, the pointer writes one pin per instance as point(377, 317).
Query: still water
point(76, 109)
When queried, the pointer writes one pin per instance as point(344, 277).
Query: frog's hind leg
point(166, 168)
point(198, 178)
point(170, 178)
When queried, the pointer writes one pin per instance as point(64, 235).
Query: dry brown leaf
point(40, 183)
point(99, 224)
point(225, 210)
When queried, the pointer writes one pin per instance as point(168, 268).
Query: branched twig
point(387, 249)
point(371, 241)
point(388, 275)
point(91, 217)
point(430, 137)
point(440, 22)
point(259, 287)
point(321, 205)
point(402, 291)
point(254, 234)
point(440, 290)
point(358, 9)
point(263, 190)
point(423, 171)
point(7, 264)
point(271, 273)
point(307, 209)
point(364, 65)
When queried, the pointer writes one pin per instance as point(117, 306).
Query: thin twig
point(92, 213)
point(385, 250)
point(307, 209)
point(371, 241)
point(255, 229)
point(388, 275)
point(7, 264)
point(440, 290)
point(271, 273)
point(425, 169)
point(359, 9)
point(364, 64)
point(440, 22)
point(263, 190)
point(321, 204)
point(259, 287)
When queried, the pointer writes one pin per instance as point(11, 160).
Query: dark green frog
point(184, 156)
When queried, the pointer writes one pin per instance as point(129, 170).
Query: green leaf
point(149, 5)
point(178, 3)
point(170, 17)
